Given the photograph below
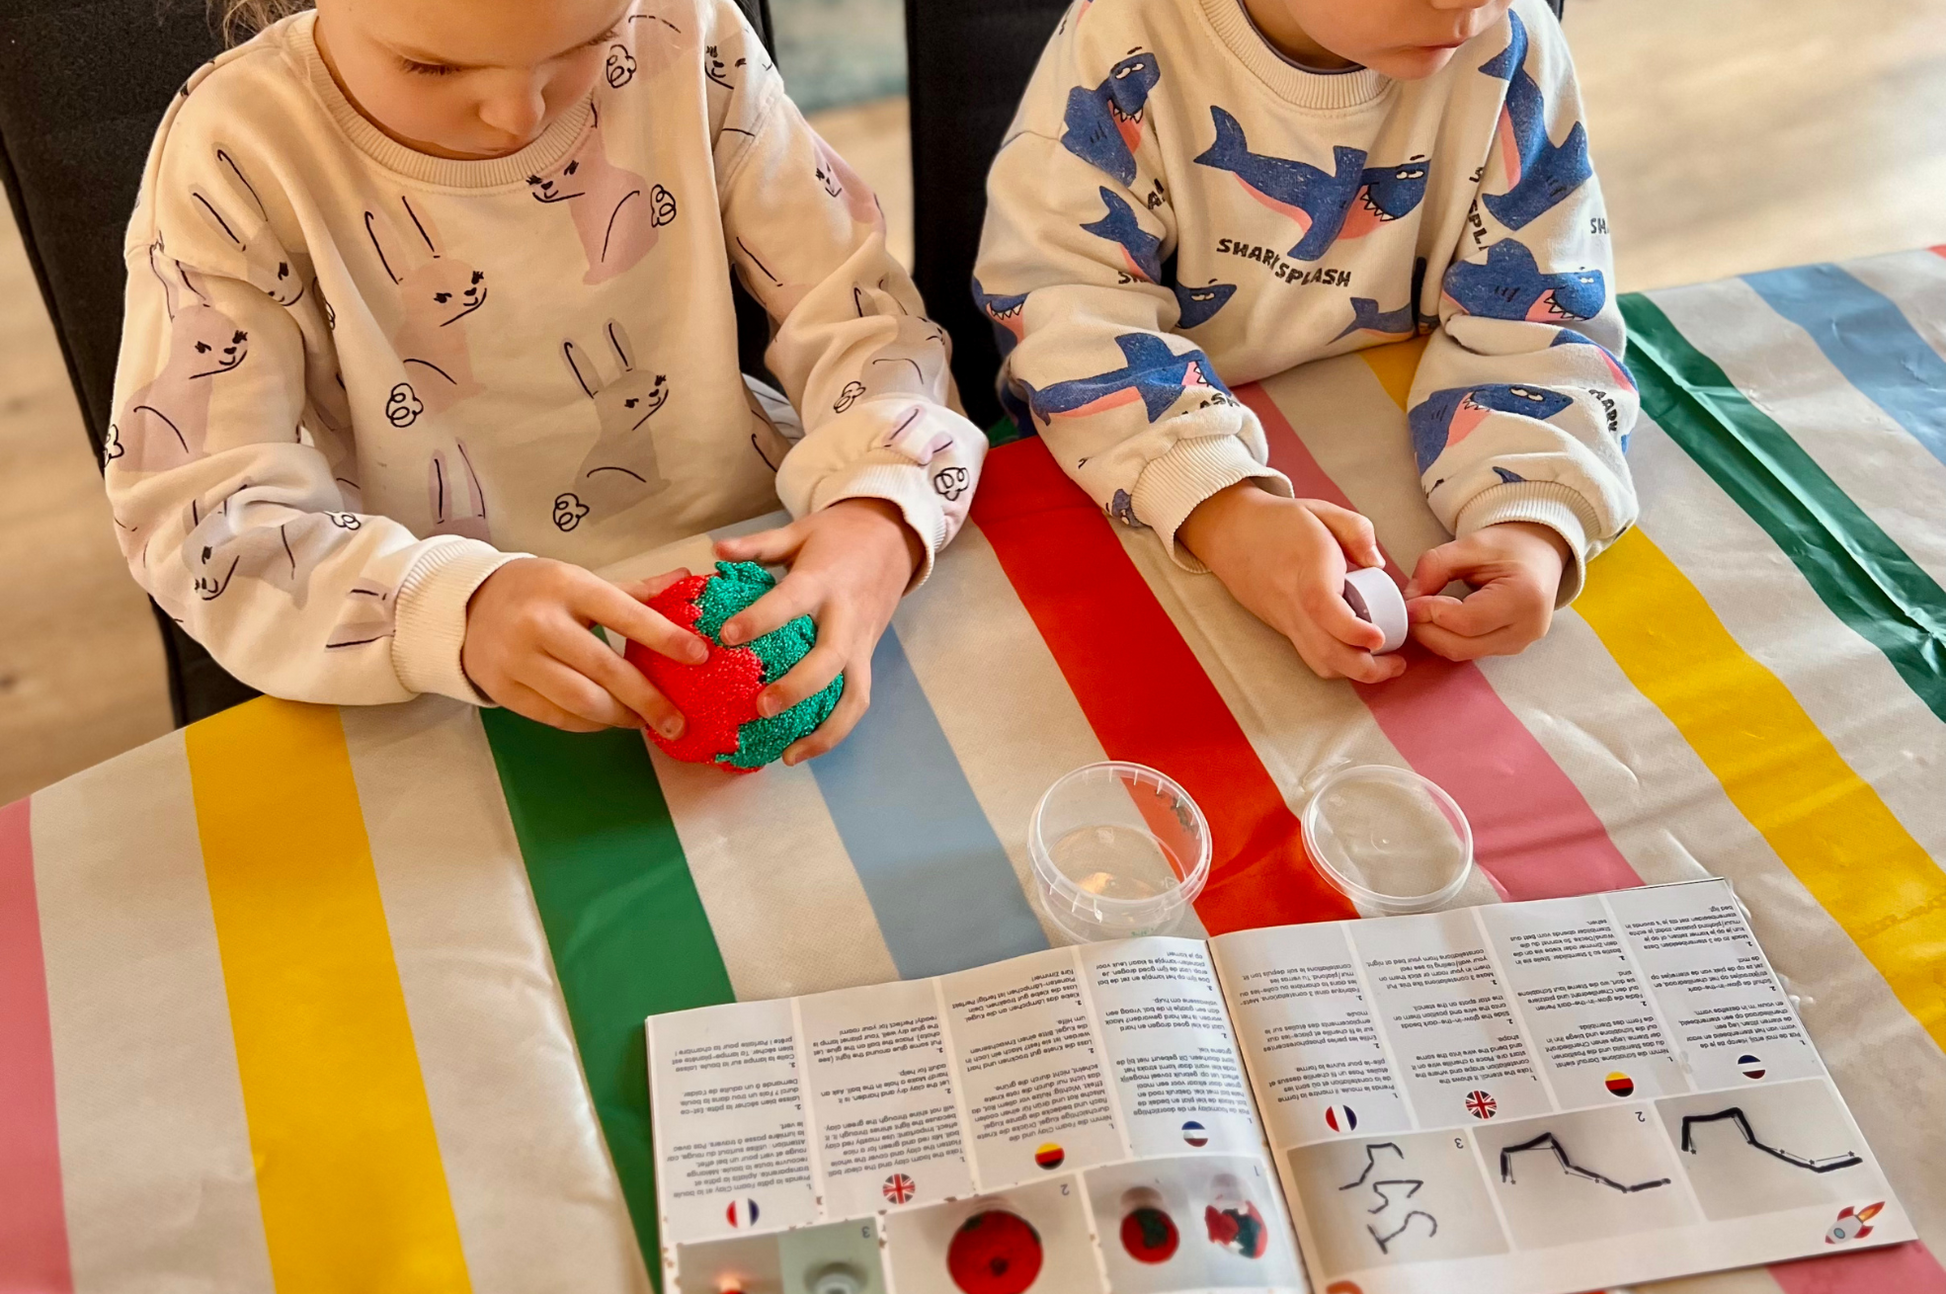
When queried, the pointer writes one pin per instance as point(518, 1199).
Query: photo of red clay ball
point(1149, 1235)
point(995, 1252)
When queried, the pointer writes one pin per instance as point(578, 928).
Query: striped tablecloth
point(352, 1000)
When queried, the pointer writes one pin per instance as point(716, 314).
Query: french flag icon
point(741, 1213)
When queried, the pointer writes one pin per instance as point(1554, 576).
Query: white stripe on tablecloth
point(991, 680)
point(767, 833)
point(1916, 283)
point(536, 1199)
point(156, 1165)
point(1886, 471)
point(1892, 1072)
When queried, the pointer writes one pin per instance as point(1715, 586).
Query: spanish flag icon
point(1050, 1156)
point(1621, 1084)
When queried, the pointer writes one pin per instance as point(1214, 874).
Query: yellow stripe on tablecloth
point(1827, 823)
point(348, 1170)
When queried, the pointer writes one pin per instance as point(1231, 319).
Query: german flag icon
point(1620, 1084)
point(1050, 1156)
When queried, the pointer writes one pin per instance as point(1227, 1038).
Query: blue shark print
point(1317, 200)
point(1617, 369)
point(1509, 285)
point(1009, 316)
point(1402, 322)
point(1450, 416)
point(1122, 508)
point(1348, 202)
point(1104, 125)
point(1509, 478)
point(1154, 375)
point(1539, 172)
point(1141, 250)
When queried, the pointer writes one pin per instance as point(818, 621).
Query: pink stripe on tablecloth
point(33, 1225)
point(1909, 1268)
point(1533, 831)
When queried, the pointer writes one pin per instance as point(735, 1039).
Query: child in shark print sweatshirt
point(429, 316)
point(1199, 194)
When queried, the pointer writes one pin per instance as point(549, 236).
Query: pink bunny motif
point(453, 495)
point(619, 471)
point(218, 552)
point(371, 613)
point(166, 423)
point(660, 44)
point(241, 221)
point(912, 438)
point(616, 212)
point(912, 362)
point(841, 182)
point(439, 293)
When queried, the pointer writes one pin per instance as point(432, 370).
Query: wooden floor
point(1730, 135)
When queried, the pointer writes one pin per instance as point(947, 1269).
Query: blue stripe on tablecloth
point(941, 885)
point(1866, 336)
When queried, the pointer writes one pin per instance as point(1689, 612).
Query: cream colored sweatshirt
point(1178, 210)
point(356, 379)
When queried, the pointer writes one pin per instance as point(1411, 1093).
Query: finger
point(1437, 568)
point(578, 694)
point(1329, 658)
point(621, 680)
point(797, 594)
point(1352, 530)
point(605, 604)
point(1328, 610)
point(524, 700)
point(643, 590)
point(806, 678)
point(1510, 641)
point(850, 709)
point(769, 547)
point(1491, 609)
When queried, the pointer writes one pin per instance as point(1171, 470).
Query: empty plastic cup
point(1119, 850)
point(1388, 839)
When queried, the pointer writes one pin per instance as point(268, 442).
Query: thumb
point(767, 547)
point(1352, 530)
point(1437, 568)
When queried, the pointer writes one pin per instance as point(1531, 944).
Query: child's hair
point(240, 19)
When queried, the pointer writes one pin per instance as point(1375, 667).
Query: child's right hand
point(529, 647)
point(1285, 561)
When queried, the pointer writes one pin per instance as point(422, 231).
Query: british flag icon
point(899, 1188)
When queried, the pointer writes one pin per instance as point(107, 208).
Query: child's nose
point(515, 107)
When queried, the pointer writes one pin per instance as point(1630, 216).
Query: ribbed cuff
point(432, 617)
point(1540, 503)
point(1171, 487)
point(905, 488)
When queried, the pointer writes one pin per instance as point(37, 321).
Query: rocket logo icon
point(1852, 1224)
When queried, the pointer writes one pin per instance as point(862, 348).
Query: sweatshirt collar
point(1328, 91)
point(554, 143)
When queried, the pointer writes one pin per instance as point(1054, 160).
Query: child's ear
point(618, 338)
point(584, 372)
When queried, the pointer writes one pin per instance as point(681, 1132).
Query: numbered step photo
point(1770, 1147)
point(1398, 1198)
point(1568, 1178)
point(838, 1258)
point(1026, 1240)
point(1190, 1223)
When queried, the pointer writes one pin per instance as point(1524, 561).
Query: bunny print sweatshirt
point(1178, 210)
point(356, 379)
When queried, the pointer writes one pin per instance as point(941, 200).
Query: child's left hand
point(849, 566)
point(1515, 569)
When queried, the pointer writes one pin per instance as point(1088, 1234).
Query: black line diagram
point(1386, 1197)
point(1549, 1141)
point(1829, 1164)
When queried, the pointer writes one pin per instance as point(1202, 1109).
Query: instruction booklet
point(1525, 1098)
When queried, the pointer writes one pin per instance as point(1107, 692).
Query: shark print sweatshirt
point(1177, 210)
point(356, 379)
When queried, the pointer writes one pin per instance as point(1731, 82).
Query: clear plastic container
point(1119, 850)
point(1388, 839)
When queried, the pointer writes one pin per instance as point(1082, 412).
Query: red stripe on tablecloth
point(1909, 1268)
point(1533, 831)
point(1142, 689)
point(33, 1226)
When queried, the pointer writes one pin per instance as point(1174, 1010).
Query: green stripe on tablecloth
point(624, 923)
point(1866, 579)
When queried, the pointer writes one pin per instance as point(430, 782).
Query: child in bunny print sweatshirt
point(1199, 194)
point(429, 315)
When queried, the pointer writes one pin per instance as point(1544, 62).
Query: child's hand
point(529, 648)
point(1515, 569)
point(850, 565)
point(1285, 560)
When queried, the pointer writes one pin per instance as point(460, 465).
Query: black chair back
point(83, 84)
point(967, 64)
